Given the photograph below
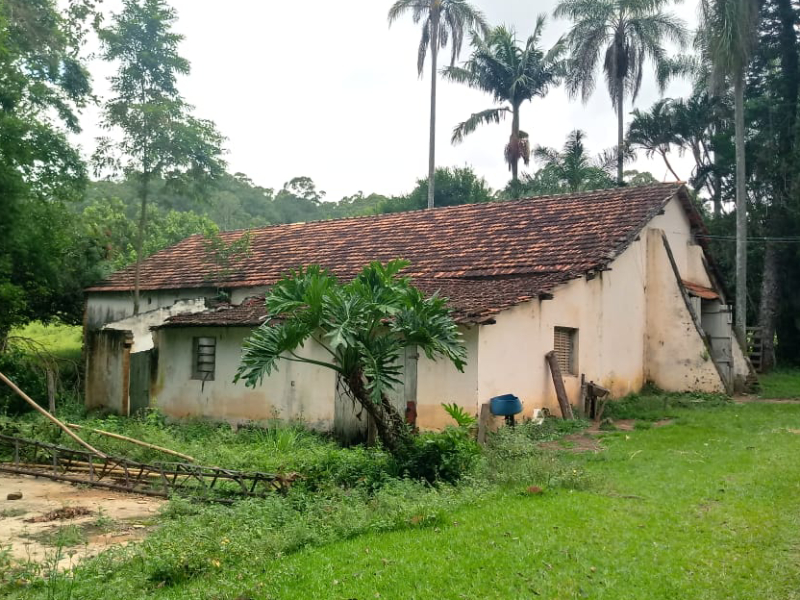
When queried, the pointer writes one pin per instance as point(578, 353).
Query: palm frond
point(484, 117)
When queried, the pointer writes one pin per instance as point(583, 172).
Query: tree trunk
point(768, 311)
point(669, 166)
point(432, 146)
point(717, 197)
point(515, 145)
point(741, 212)
point(143, 194)
point(389, 423)
point(620, 135)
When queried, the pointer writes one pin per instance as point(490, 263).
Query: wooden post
point(38, 408)
point(558, 383)
point(484, 422)
point(582, 398)
point(51, 390)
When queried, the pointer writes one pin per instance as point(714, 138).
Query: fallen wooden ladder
point(214, 484)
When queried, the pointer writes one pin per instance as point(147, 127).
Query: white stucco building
point(618, 282)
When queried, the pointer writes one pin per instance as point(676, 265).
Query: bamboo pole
point(66, 429)
point(124, 438)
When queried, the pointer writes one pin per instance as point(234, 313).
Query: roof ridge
point(493, 202)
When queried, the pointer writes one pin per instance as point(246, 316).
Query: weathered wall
point(107, 369)
point(440, 382)
point(608, 312)
point(295, 391)
point(107, 307)
point(677, 358)
point(140, 324)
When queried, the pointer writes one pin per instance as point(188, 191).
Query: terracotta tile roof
point(249, 313)
point(472, 300)
point(482, 256)
point(701, 291)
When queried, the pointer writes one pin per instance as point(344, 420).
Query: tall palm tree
point(626, 33)
point(512, 74)
point(441, 20)
point(727, 37)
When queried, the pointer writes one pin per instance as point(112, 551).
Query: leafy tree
point(626, 33)
point(727, 38)
point(441, 20)
point(454, 186)
point(512, 74)
point(44, 86)
point(771, 105)
point(364, 326)
point(160, 137)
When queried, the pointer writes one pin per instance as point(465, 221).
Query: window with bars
point(565, 344)
point(204, 358)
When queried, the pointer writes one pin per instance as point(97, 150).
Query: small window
point(204, 358)
point(565, 344)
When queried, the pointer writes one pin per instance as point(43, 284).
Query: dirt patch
point(61, 514)
point(589, 439)
point(98, 518)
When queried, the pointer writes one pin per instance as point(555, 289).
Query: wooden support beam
point(558, 383)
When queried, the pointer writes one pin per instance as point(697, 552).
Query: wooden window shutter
point(564, 344)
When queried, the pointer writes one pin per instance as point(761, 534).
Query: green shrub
point(445, 456)
point(22, 369)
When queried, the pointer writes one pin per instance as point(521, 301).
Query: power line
point(753, 240)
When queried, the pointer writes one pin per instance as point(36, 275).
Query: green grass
point(64, 341)
point(707, 507)
point(781, 384)
point(65, 536)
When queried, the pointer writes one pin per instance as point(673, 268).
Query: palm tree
point(654, 131)
point(727, 37)
point(513, 75)
point(572, 167)
point(441, 20)
point(626, 33)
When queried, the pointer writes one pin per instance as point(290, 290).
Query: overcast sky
point(325, 89)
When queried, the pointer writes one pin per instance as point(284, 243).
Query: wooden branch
point(38, 408)
point(558, 383)
point(125, 438)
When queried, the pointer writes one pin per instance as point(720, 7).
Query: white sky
point(325, 89)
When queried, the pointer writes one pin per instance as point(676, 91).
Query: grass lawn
point(706, 507)
point(783, 383)
point(62, 340)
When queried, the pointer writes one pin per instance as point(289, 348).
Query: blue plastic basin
point(505, 405)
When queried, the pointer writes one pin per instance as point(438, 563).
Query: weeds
point(653, 404)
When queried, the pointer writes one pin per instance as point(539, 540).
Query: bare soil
point(589, 439)
point(106, 518)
